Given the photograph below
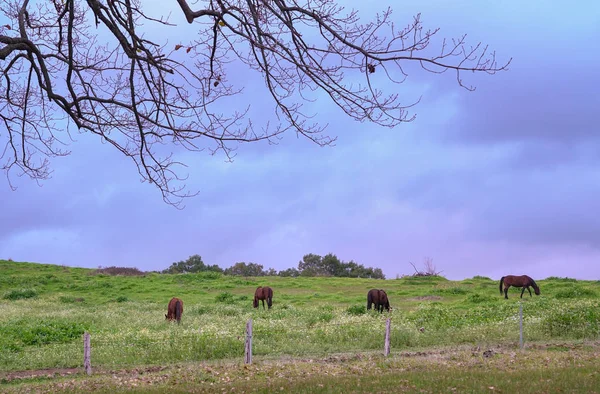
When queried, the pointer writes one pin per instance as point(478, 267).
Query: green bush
point(35, 333)
point(122, 299)
point(575, 292)
point(455, 290)
point(479, 299)
point(559, 279)
point(575, 321)
point(209, 275)
point(225, 297)
point(323, 317)
point(70, 299)
point(20, 294)
point(356, 310)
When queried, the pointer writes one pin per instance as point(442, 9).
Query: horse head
point(383, 299)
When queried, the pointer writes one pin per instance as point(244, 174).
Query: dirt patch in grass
point(49, 373)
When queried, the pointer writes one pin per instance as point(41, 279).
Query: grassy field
point(45, 309)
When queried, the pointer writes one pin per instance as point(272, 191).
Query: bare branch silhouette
point(92, 67)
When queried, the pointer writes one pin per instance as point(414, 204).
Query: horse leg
point(506, 291)
point(523, 291)
point(529, 290)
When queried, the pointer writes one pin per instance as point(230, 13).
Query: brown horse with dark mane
point(379, 298)
point(523, 281)
point(174, 310)
point(263, 293)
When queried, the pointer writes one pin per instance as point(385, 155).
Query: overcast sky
point(503, 180)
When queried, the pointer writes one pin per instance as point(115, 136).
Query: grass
point(311, 317)
point(559, 368)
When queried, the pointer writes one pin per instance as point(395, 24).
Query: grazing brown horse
point(379, 298)
point(523, 281)
point(174, 310)
point(263, 293)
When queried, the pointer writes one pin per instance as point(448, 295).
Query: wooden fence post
point(87, 350)
point(248, 347)
point(520, 325)
point(386, 347)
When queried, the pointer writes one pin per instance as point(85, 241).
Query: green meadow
point(44, 310)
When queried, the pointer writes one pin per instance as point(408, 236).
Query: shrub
point(20, 294)
point(575, 292)
point(323, 317)
point(125, 271)
point(558, 279)
point(452, 291)
point(225, 297)
point(122, 299)
point(28, 333)
point(478, 298)
point(481, 277)
point(356, 310)
point(581, 320)
point(70, 299)
point(199, 309)
point(209, 275)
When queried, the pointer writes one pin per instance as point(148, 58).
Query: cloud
point(500, 180)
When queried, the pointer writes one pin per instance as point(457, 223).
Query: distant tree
point(245, 269)
point(192, 264)
point(310, 265)
point(290, 272)
point(107, 68)
point(271, 272)
point(331, 265)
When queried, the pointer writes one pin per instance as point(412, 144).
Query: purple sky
point(503, 180)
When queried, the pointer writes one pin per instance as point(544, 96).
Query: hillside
point(46, 308)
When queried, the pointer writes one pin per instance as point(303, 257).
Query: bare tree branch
point(94, 67)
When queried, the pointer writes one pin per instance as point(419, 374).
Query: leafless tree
point(105, 67)
point(429, 268)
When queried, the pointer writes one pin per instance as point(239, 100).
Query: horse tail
point(369, 299)
point(501, 281)
point(178, 310)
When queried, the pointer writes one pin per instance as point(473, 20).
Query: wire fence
point(266, 337)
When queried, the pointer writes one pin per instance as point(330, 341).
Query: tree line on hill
point(310, 265)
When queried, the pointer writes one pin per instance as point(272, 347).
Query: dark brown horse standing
point(263, 293)
point(523, 281)
point(174, 310)
point(379, 298)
